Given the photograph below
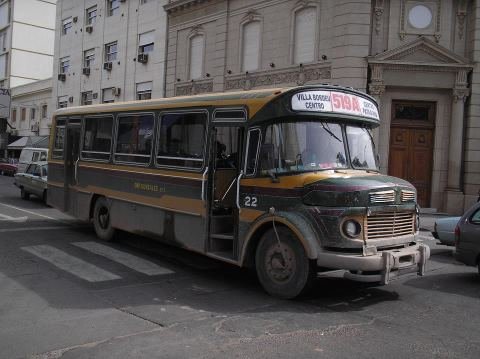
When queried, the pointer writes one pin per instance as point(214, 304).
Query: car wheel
point(283, 269)
point(101, 220)
point(44, 197)
point(24, 194)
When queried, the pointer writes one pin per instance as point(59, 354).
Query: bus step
point(221, 224)
point(228, 236)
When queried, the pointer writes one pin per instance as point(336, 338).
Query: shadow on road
point(199, 283)
point(466, 283)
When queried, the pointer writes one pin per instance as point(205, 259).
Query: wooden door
point(411, 146)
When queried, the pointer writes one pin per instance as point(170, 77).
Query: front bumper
point(381, 267)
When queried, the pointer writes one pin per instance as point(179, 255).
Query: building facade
point(27, 31)
point(418, 58)
point(108, 50)
point(31, 110)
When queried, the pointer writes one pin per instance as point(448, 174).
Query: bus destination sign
point(331, 101)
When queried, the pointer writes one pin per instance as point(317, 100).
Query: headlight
point(351, 228)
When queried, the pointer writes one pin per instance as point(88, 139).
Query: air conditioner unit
point(89, 29)
point(61, 77)
point(86, 71)
point(107, 66)
point(70, 99)
point(116, 91)
point(142, 58)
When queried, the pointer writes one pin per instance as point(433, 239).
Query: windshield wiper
point(330, 132)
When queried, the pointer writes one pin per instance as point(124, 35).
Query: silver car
point(444, 230)
point(467, 237)
point(33, 181)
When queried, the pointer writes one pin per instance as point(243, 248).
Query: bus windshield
point(313, 146)
point(360, 145)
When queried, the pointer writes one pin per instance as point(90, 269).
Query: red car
point(7, 168)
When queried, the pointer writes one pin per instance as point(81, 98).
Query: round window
point(420, 16)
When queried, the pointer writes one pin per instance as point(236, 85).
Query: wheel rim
point(280, 263)
point(103, 217)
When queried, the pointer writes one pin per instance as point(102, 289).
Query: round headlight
point(352, 228)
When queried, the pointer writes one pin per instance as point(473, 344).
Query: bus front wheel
point(101, 220)
point(283, 268)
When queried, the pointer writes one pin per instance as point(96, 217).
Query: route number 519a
point(250, 201)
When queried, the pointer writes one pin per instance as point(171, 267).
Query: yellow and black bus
point(282, 180)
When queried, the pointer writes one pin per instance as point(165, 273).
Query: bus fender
point(295, 222)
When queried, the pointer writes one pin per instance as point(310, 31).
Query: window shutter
point(196, 56)
point(4, 14)
point(3, 65)
point(146, 38)
point(305, 30)
point(251, 46)
point(144, 86)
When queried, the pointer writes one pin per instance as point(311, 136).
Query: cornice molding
point(444, 55)
point(177, 5)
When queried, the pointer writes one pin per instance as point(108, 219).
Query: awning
point(18, 144)
point(29, 141)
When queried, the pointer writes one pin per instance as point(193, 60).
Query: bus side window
point(181, 140)
point(252, 151)
point(59, 139)
point(43, 156)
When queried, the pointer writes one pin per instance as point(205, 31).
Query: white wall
point(27, 65)
point(35, 12)
point(32, 38)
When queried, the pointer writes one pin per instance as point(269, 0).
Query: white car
point(33, 181)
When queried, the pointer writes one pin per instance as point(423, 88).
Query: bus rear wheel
point(101, 220)
point(283, 269)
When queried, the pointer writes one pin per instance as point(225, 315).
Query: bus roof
point(254, 99)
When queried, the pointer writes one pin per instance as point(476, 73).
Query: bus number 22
point(250, 201)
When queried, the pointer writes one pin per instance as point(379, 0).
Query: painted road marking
point(31, 229)
point(24, 210)
point(4, 217)
point(128, 260)
point(71, 264)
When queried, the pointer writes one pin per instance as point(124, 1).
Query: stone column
point(454, 195)
point(376, 89)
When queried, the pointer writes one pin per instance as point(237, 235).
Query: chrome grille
point(408, 196)
point(382, 197)
point(390, 224)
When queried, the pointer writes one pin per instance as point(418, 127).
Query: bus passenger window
point(59, 139)
point(181, 139)
point(97, 138)
point(134, 138)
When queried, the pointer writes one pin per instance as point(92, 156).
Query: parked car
point(7, 167)
point(444, 230)
point(33, 181)
point(467, 237)
point(30, 155)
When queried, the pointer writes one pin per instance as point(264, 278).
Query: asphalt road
point(65, 294)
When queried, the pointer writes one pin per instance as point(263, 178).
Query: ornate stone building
point(418, 58)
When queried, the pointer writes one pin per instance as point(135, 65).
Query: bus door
point(226, 143)
point(72, 157)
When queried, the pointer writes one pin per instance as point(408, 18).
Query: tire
point(24, 194)
point(101, 220)
point(279, 279)
point(44, 197)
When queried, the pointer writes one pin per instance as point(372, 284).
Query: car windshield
point(360, 145)
point(302, 147)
